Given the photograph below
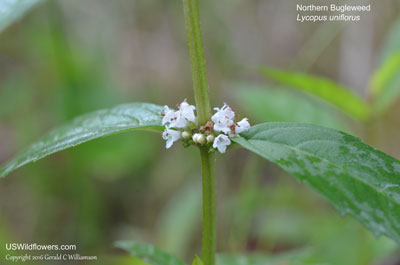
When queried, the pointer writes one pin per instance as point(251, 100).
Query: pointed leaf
point(11, 10)
point(338, 95)
point(94, 125)
point(385, 84)
point(351, 175)
point(197, 261)
point(148, 253)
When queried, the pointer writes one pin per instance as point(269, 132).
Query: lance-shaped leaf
point(338, 95)
point(148, 253)
point(385, 84)
point(94, 125)
point(353, 176)
point(11, 10)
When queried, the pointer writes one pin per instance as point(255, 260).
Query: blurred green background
point(69, 57)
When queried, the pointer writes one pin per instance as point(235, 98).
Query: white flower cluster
point(182, 124)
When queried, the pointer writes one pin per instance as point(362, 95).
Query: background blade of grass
point(385, 83)
point(265, 103)
point(338, 95)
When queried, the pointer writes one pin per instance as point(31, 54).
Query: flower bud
point(185, 135)
point(199, 138)
point(210, 138)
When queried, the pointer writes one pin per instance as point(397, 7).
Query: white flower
point(179, 122)
point(182, 123)
point(187, 111)
point(221, 142)
point(184, 115)
point(223, 119)
point(169, 115)
point(181, 117)
point(242, 125)
point(170, 136)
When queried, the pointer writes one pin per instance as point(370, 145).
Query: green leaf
point(197, 261)
point(12, 10)
point(148, 253)
point(385, 73)
point(94, 125)
point(338, 95)
point(385, 84)
point(279, 104)
point(354, 177)
point(302, 257)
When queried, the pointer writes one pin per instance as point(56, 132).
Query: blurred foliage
point(326, 89)
point(265, 102)
point(66, 58)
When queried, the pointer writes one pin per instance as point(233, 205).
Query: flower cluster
point(182, 124)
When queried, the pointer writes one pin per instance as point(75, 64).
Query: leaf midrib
point(61, 147)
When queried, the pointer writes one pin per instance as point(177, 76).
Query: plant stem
point(209, 207)
point(198, 63)
point(200, 88)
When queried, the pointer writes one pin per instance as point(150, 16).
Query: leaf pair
point(353, 176)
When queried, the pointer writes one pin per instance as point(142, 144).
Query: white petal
point(228, 112)
point(223, 119)
point(170, 136)
point(242, 125)
point(180, 121)
point(169, 115)
point(222, 128)
point(169, 143)
point(221, 142)
point(187, 111)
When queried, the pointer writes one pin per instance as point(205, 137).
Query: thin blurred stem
point(200, 88)
point(312, 49)
point(209, 207)
point(198, 62)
